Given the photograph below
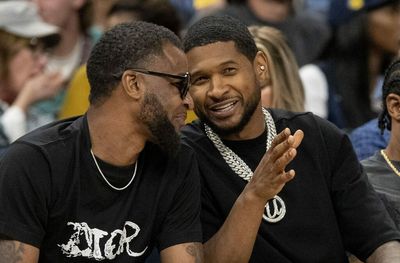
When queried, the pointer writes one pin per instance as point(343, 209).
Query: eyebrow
point(230, 61)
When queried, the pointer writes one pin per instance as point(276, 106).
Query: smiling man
point(253, 207)
point(114, 183)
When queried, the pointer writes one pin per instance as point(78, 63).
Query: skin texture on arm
point(386, 253)
point(244, 219)
point(12, 251)
point(186, 253)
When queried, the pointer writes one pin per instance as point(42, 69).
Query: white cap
point(22, 19)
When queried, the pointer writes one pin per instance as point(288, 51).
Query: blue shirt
point(367, 139)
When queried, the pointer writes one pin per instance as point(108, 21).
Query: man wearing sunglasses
point(116, 182)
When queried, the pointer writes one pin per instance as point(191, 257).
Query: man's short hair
point(213, 29)
point(128, 45)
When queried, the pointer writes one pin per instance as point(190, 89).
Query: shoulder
point(306, 121)
point(49, 139)
point(193, 132)
point(374, 164)
point(372, 160)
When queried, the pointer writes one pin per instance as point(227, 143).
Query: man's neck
point(113, 136)
point(254, 128)
point(70, 36)
point(393, 148)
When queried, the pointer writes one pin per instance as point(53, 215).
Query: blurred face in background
point(58, 12)
point(27, 62)
point(271, 10)
point(384, 27)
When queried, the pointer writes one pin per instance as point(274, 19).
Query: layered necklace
point(391, 165)
point(275, 209)
point(105, 179)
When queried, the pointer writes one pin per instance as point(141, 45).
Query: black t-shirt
point(53, 197)
point(330, 205)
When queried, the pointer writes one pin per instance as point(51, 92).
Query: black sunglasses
point(182, 85)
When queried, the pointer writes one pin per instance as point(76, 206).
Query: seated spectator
point(23, 40)
point(365, 41)
point(267, 195)
point(383, 167)
point(74, 20)
point(115, 183)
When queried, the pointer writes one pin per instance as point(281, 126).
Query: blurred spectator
point(284, 89)
point(383, 167)
point(74, 19)
point(289, 88)
point(365, 40)
point(23, 39)
point(307, 34)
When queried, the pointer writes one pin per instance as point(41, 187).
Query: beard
point(249, 108)
point(162, 131)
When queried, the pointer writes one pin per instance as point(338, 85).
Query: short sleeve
point(182, 224)
point(24, 193)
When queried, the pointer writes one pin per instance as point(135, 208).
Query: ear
point(393, 106)
point(261, 69)
point(132, 85)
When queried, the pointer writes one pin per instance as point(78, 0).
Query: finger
point(285, 177)
point(283, 135)
point(281, 163)
point(280, 149)
point(298, 138)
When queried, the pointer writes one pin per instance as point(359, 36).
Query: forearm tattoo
point(11, 251)
point(195, 250)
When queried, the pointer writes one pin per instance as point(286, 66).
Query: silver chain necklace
point(243, 170)
point(105, 179)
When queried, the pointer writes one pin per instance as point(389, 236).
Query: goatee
point(249, 108)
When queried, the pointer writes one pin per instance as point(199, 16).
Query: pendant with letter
point(275, 210)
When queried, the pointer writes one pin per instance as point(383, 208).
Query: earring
point(262, 67)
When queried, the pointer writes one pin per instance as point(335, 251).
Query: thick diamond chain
point(232, 159)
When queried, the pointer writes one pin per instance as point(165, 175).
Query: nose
point(41, 60)
point(217, 87)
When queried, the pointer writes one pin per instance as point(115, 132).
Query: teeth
point(224, 107)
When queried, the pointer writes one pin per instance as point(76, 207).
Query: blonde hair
point(287, 89)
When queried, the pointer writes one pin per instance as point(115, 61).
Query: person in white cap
point(73, 19)
point(23, 39)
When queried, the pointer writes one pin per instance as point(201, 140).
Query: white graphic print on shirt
point(92, 236)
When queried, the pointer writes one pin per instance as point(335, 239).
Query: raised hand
point(40, 87)
point(270, 176)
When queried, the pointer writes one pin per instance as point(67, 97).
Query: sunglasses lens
point(185, 86)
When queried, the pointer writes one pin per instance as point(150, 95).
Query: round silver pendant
point(275, 210)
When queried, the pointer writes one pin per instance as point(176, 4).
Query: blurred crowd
point(328, 57)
